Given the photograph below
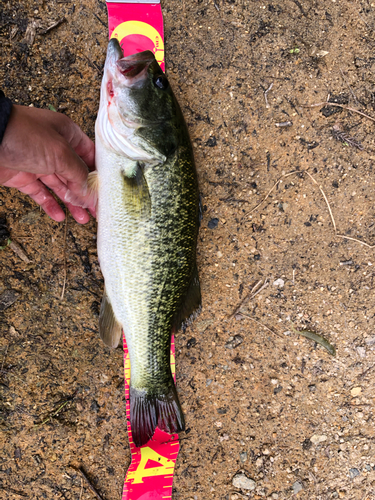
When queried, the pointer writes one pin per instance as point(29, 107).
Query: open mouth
point(133, 65)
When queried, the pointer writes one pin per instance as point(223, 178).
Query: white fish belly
point(125, 257)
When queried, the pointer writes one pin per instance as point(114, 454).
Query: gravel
point(240, 480)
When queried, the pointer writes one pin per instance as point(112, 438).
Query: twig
point(65, 233)
point(351, 91)
point(270, 191)
point(216, 6)
point(284, 124)
point(15, 492)
point(326, 200)
point(233, 200)
point(266, 283)
point(261, 324)
point(250, 296)
point(5, 356)
point(18, 251)
point(54, 25)
point(344, 138)
point(355, 239)
point(255, 286)
point(52, 414)
point(363, 374)
point(92, 488)
point(265, 95)
point(338, 106)
point(80, 495)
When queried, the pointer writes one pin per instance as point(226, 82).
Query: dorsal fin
point(191, 304)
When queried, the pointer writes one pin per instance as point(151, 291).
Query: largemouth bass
point(148, 218)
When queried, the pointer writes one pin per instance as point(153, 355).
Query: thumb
point(77, 139)
point(71, 169)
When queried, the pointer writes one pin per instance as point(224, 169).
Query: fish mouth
point(131, 70)
point(135, 66)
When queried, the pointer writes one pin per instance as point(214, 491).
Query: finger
point(79, 214)
point(92, 211)
point(60, 189)
point(78, 140)
point(40, 194)
point(72, 169)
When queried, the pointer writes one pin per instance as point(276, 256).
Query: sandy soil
point(259, 399)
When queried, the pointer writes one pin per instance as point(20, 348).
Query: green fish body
point(148, 218)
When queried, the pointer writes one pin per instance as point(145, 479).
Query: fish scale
point(147, 229)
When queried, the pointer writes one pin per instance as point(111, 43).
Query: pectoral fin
point(137, 194)
point(191, 304)
point(90, 199)
point(109, 328)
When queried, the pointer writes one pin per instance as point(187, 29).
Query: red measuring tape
point(138, 26)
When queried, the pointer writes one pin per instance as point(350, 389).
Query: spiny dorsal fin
point(109, 328)
point(191, 303)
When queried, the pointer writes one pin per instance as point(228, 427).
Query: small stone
point(318, 438)
point(279, 283)
point(213, 223)
point(243, 457)
point(240, 480)
point(361, 351)
point(368, 467)
point(234, 342)
point(275, 496)
point(219, 255)
point(13, 332)
point(103, 378)
point(353, 473)
point(224, 437)
point(297, 487)
point(356, 391)
point(7, 298)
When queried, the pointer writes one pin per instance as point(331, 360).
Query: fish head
point(139, 102)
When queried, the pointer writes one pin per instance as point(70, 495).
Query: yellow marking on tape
point(166, 466)
point(139, 28)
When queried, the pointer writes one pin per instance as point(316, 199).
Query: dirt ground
point(262, 403)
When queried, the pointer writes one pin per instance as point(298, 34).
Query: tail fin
point(148, 411)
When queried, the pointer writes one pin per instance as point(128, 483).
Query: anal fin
point(109, 328)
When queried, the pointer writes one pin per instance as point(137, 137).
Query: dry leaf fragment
point(33, 25)
point(18, 251)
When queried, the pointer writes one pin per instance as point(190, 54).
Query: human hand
point(43, 149)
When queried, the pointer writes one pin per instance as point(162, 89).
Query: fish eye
point(161, 81)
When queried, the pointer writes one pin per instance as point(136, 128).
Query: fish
point(148, 219)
